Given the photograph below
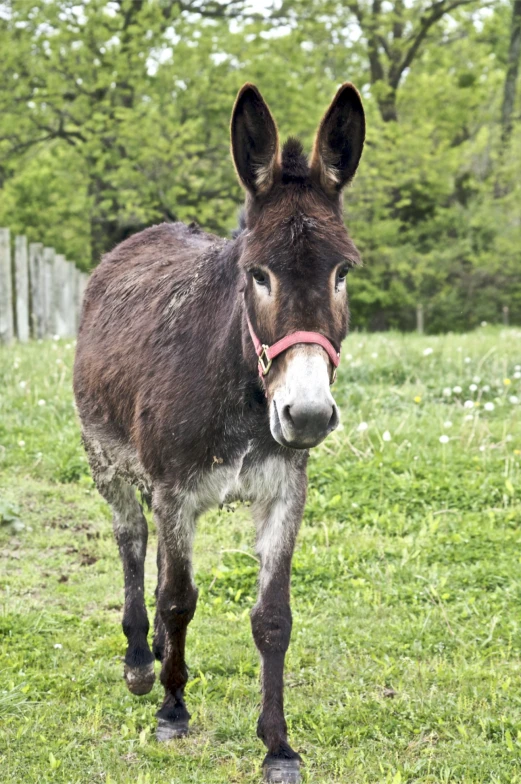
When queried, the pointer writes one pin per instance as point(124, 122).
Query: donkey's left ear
point(255, 141)
point(339, 141)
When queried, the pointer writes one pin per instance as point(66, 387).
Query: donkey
point(203, 373)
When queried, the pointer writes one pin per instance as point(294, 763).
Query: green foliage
point(115, 116)
point(404, 664)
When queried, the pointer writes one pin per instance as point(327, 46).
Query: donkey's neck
point(221, 338)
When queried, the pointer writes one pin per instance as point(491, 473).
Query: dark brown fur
point(170, 400)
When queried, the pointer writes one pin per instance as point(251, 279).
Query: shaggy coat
point(168, 390)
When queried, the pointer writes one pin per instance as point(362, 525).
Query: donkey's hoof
point(168, 730)
point(140, 679)
point(281, 771)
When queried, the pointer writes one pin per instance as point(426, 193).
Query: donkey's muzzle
point(304, 424)
point(302, 410)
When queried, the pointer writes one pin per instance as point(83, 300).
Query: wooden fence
point(40, 291)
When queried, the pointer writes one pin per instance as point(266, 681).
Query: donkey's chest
point(251, 477)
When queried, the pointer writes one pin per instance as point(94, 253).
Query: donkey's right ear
point(255, 141)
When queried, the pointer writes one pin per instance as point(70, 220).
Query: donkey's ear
point(255, 141)
point(339, 141)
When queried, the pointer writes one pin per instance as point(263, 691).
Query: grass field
point(405, 659)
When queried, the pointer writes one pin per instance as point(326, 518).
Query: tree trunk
point(387, 107)
point(514, 54)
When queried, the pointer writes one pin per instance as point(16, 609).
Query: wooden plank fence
point(40, 291)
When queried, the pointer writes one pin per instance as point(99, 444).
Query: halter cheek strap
point(267, 354)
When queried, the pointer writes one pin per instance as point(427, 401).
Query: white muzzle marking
point(303, 411)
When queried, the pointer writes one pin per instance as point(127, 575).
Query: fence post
point(48, 277)
point(419, 319)
point(77, 298)
point(60, 295)
point(37, 289)
point(83, 279)
point(506, 314)
point(71, 299)
point(21, 280)
point(6, 289)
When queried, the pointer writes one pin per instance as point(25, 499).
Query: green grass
point(407, 576)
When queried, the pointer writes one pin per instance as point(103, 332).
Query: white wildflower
point(386, 436)
point(473, 387)
point(457, 390)
point(41, 402)
point(447, 424)
point(447, 392)
point(468, 404)
point(476, 379)
point(517, 374)
point(362, 427)
point(489, 406)
point(468, 360)
point(469, 418)
point(55, 337)
point(21, 443)
point(22, 384)
point(486, 388)
point(514, 400)
point(483, 323)
point(482, 448)
point(427, 352)
point(374, 355)
point(348, 356)
point(58, 645)
point(444, 439)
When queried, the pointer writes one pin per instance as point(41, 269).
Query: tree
point(514, 55)
point(394, 34)
point(115, 116)
point(82, 74)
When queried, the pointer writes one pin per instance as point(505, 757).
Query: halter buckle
point(264, 361)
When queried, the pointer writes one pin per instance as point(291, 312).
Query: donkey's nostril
point(333, 422)
point(286, 415)
point(309, 421)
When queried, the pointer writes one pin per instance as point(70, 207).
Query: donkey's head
point(295, 256)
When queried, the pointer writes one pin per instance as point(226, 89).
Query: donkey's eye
point(260, 277)
point(342, 273)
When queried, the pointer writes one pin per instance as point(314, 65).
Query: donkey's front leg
point(176, 603)
point(131, 532)
point(277, 525)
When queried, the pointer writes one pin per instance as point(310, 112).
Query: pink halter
point(267, 354)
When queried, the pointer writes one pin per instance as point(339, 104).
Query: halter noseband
point(266, 354)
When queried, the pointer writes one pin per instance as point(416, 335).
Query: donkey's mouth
point(309, 433)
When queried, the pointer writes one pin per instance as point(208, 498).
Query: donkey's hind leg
point(159, 642)
point(131, 532)
point(176, 603)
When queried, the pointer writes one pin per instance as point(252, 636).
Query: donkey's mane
point(295, 165)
